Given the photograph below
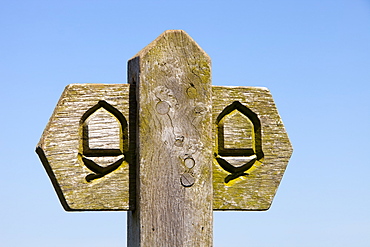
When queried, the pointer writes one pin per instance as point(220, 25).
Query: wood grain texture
point(70, 163)
point(93, 136)
point(60, 146)
point(254, 188)
point(174, 144)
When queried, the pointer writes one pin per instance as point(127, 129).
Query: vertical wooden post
point(174, 144)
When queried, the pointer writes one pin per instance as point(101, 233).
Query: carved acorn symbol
point(104, 134)
point(239, 144)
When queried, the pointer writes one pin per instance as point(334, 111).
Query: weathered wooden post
point(172, 76)
point(161, 149)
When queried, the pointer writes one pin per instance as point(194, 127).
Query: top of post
point(172, 36)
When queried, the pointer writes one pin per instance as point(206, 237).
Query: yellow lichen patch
point(60, 150)
point(254, 188)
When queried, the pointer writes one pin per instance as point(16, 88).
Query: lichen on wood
point(62, 154)
point(174, 144)
point(254, 188)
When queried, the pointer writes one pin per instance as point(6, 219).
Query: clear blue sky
point(314, 56)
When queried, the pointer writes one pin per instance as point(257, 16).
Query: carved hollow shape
point(243, 127)
point(103, 131)
point(100, 171)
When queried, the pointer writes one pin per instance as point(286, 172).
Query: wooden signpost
point(168, 147)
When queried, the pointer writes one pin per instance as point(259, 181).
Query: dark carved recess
point(251, 154)
point(100, 171)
